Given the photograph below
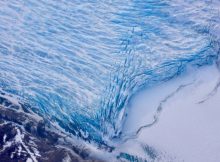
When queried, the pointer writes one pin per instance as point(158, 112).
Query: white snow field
point(178, 120)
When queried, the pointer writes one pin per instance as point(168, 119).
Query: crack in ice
point(158, 112)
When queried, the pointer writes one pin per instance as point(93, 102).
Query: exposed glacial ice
point(112, 80)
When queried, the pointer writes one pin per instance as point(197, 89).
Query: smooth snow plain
point(179, 120)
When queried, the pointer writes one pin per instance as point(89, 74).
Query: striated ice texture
point(79, 63)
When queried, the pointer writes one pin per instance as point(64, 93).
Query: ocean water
point(79, 63)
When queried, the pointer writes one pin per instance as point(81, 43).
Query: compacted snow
point(179, 120)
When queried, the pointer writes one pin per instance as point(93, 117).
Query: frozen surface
point(106, 73)
point(187, 126)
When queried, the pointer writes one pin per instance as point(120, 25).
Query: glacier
point(128, 80)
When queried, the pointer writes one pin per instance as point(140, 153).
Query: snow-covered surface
point(19, 139)
point(187, 125)
point(69, 70)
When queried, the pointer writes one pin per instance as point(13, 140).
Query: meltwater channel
point(77, 64)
